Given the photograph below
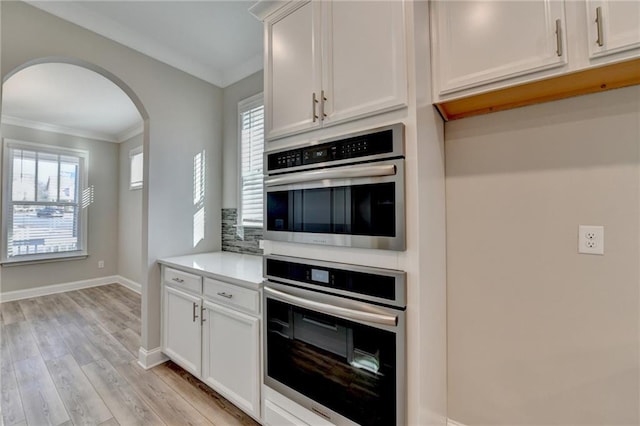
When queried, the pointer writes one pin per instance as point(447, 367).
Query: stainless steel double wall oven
point(334, 334)
point(346, 191)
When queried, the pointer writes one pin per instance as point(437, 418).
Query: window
point(135, 168)
point(44, 216)
point(251, 133)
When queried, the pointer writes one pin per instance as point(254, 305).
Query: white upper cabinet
point(330, 62)
point(292, 77)
point(364, 60)
point(613, 27)
point(486, 41)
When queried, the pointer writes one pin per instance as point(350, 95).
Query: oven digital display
point(316, 155)
point(321, 153)
point(320, 276)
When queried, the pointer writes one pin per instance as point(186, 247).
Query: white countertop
point(236, 268)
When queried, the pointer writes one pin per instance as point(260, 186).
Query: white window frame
point(132, 154)
point(246, 105)
point(7, 214)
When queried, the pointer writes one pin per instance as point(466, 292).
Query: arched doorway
point(48, 270)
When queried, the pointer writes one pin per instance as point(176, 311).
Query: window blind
point(43, 214)
point(251, 116)
point(136, 159)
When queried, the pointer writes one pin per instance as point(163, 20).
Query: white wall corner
point(150, 358)
point(131, 285)
point(453, 423)
point(9, 296)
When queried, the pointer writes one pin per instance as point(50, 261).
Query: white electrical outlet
point(591, 239)
point(100, 264)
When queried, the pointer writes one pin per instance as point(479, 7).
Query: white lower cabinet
point(230, 354)
point(214, 333)
point(181, 329)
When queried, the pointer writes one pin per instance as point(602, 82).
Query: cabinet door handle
point(202, 318)
point(178, 280)
point(314, 101)
point(322, 101)
point(223, 294)
point(600, 40)
point(559, 37)
point(195, 316)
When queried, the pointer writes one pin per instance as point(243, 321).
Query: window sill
point(37, 259)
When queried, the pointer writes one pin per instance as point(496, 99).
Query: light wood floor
point(70, 358)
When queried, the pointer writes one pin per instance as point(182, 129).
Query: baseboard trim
point(9, 296)
point(453, 423)
point(149, 359)
point(131, 285)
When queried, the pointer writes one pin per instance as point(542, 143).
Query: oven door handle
point(338, 311)
point(338, 173)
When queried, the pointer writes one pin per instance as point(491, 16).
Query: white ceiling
point(69, 99)
point(217, 41)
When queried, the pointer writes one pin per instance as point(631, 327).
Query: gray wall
point(130, 263)
point(184, 118)
point(538, 334)
point(231, 96)
point(240, 240)
point(102, 236)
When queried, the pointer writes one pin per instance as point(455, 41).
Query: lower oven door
point(360, 205)
point(342, 359)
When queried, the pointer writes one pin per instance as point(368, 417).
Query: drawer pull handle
point(202, 318)
point(223, 294)
point(195, 316)
point(178, 280)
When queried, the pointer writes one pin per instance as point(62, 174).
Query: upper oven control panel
point(386, 141)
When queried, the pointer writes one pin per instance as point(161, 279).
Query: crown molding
point(263, 8)
point(132, 131)
point(54, 128)
point(75, 13)
point(242, 71)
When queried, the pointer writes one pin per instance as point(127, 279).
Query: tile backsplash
point(239, 239)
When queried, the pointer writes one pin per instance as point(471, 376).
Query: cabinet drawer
point(231, 295)
point(276, 416)
point(183, 280)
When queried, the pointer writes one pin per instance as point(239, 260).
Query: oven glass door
point(360, 200)
point(345, 366)
point(356, 210)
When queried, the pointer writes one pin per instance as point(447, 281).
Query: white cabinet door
point(364, 58)
point(484, 41)
point(181, 330)
point(293, 71)
point(332, 61)
point(231, 356)
point(613, 26)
